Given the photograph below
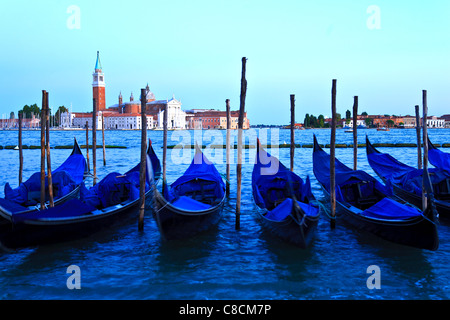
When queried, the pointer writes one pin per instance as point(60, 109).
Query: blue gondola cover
point(439, 159)
point(200, 169)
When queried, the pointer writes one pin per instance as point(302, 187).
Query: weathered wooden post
point(425, 150)
point(143, 165)
point(333, 156)
point(165, 119)
point(227, 102)
point(419, 144)
point(103, 139)
point(94, 140)
point(292, 131)
point(49, 166)
point(239, 156)
point(87, 146)
point(20, 114)
point(355, 133)
point(43, 151)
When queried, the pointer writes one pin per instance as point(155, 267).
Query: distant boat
point(349, 130)
point(383, 129)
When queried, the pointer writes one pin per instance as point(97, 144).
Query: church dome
point(150, 96)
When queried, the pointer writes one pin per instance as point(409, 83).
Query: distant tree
point(369, 122)
point(29, 110)
point(306, 121)
point(321, 120)
point(348, 114)
point(313, 121)
point(364, 114)
point(390, 123)
point(61, 109)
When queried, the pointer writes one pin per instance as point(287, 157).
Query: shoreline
point(158, 129)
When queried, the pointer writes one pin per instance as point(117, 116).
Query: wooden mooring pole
point(143, 164)
point(94, 141)
point(355, 133)
point(333, 156)
point(165, 119)
point(425, 150)
point(292, 149)
point(20, 148)
point(87, 146)
point(43, 151)
point(419, 144)
point(239, 156)
point(227, 102)
point(103, 139)
point(47, 144)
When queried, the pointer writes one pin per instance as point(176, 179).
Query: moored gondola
point(439, 159)
point(407, 180)
point(66, 180)
point(367, 204)
point(285, 203)
point(193, 203)
point(115, 197)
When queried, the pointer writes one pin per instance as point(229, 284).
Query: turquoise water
point(123, 263)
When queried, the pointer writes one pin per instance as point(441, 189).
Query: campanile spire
point(98, 85)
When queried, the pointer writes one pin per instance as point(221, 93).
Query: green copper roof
point(98, 64)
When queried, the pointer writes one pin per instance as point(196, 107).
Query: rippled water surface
point(122, 263)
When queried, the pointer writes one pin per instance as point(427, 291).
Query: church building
point(124, 115)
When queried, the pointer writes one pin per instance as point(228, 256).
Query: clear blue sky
point(193, 49)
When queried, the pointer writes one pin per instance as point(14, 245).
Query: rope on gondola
point(324, 208)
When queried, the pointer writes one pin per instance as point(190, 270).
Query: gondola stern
point(369, 147)
point(316, 144)
point(430, 145)
point(76, 147)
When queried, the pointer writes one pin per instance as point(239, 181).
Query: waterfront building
point(176, 118)
point(409, 122)
point(213, 119)
point(435, 122)
point(358, 123)
point(14, 123)
point(446, 118)
point(124, 115)
point(126, 121)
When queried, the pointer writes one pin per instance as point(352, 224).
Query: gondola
point(407, 180)
point(193, 203)
point(115, 197)
point(367, 204)
point(66, 181)
point(285, 203)
point(440, 160)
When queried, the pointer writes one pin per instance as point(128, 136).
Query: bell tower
point(98, 85)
